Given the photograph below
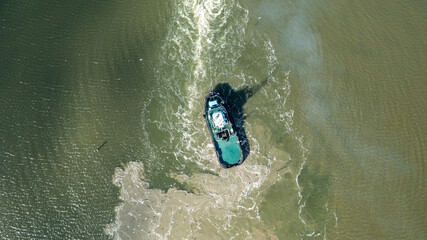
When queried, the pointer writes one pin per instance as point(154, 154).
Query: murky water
point(335, 122)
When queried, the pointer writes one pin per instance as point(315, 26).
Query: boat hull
point(223, 133)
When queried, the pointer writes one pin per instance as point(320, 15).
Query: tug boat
point(224, 136)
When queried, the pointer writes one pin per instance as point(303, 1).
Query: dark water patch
point(72, 75)
point(315, 189)
point(279, 210)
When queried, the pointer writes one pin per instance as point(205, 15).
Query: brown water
point(337, 131)
point(375, 137)
point(361, 98)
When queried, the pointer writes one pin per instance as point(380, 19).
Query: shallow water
point(335, 124)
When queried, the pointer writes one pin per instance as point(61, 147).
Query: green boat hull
point(224, 135)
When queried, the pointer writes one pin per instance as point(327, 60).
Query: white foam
point(301, 203)
point(219, 200)
point(173, 213)
point(198, 29)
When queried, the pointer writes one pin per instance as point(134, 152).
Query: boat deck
point(225, 139)
point(230, 153)
point(229, 150)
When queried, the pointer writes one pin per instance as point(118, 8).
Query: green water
point(336, 134)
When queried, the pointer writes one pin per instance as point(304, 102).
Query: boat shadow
point(235, 100)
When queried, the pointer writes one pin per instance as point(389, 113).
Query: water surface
point(336, 130)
